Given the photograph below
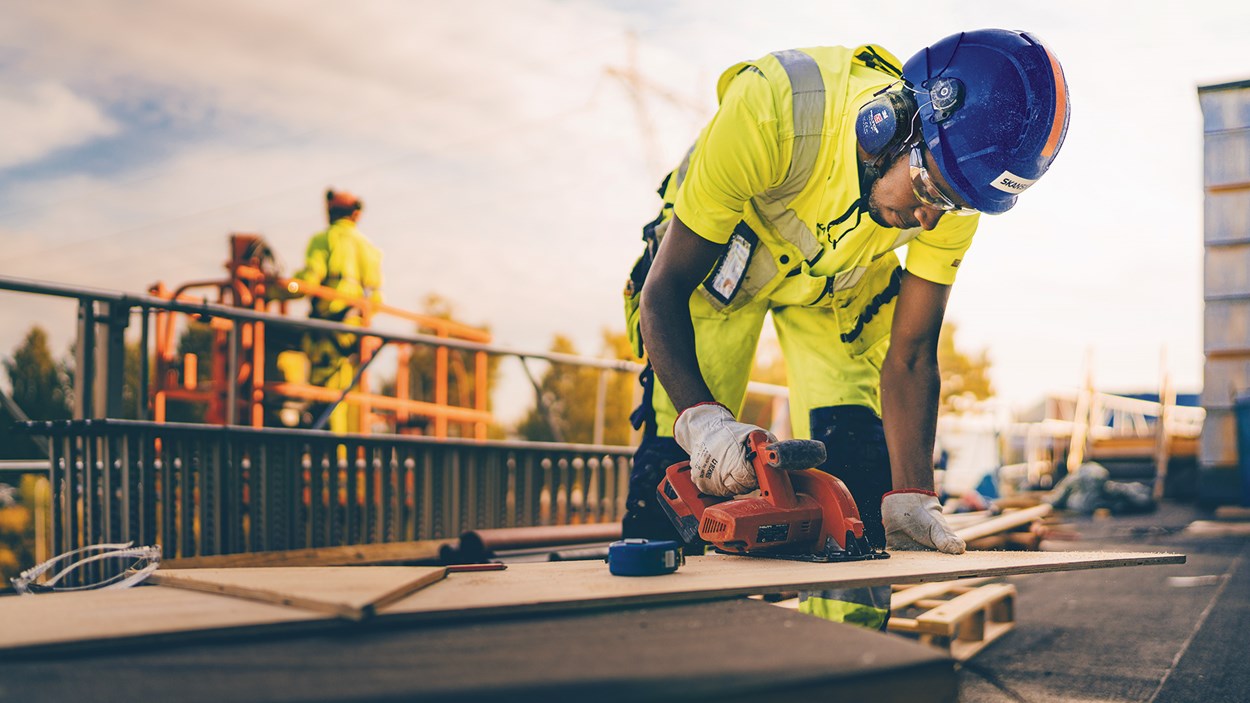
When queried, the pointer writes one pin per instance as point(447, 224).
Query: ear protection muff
point(884, 124)
point(884, 128)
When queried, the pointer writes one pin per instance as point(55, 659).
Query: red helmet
point(342, 200)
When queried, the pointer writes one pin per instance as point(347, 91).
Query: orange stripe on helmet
point(1061, 108)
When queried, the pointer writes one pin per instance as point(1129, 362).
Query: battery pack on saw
point(644, 557)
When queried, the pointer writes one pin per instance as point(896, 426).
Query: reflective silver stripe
point(808, 91)
point(846, 280)
point(790, 227)
point(682, 168)
point(760, 271)
point(807, 87)
point(808, 107)
point(904, 237)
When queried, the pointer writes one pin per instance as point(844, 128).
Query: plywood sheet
point(107, 618)
point(555, 586)
point(347, 592)
point(52, 619)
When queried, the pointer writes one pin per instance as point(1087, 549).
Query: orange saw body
point(800, 513)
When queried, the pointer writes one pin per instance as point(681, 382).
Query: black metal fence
point(200, 490)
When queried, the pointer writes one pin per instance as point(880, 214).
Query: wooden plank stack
point(1022, 525)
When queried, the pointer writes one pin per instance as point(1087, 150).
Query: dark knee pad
point(855, 442)
point(643, 515)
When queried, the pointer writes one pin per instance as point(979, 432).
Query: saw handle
point(773, 461)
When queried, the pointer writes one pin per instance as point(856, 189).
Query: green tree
point(964, 374)
point(570, 397)
point(620, 398)
point(41, 386)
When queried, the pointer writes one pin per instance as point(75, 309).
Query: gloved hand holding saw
point(913, 521)
point(716, 443)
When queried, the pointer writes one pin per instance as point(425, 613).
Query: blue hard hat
point(993, 108)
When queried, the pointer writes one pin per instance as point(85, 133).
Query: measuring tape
point(644, 557)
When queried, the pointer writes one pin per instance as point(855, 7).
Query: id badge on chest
point(731, 269)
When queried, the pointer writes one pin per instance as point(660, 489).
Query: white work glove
point(717, 447)
point(913, 520)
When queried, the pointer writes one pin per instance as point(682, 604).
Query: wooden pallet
point(960, 617)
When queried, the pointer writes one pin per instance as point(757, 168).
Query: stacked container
point(1224, 472)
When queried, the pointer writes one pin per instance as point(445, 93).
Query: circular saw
point(799, 513)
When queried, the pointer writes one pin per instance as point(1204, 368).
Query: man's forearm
point(680, 265)
point(909, 400)
point(669, 337)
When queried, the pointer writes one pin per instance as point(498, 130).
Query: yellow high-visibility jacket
point(780, 158)
point(775, 175)
point(343, 259)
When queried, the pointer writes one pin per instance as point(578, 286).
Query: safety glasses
point(927, 191)
point(133, 566)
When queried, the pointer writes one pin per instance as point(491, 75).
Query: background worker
point(818, 164)
point(342, 259)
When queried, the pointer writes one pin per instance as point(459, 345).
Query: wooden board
point(1006, 521)
point(357, 554)
point(106, 618)
point(69, 620)
point(910, 595)
point(958, 520)
point(1213, 528)
point(554, 586)
point(1232, 512)
point(354, 592)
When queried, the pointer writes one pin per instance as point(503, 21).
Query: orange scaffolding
point(244, 398)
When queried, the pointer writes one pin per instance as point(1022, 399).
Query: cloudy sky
point(507, 166)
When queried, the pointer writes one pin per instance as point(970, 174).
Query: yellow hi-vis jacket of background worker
point(340, 258)
point(775, 176)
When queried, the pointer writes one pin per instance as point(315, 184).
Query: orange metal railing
point(245, 398)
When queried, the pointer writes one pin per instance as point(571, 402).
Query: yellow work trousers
point(331, 369)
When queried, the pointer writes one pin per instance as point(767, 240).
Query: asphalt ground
point(1133, 634)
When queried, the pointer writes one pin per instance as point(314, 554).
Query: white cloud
point(315, 67)
point(41, 118)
